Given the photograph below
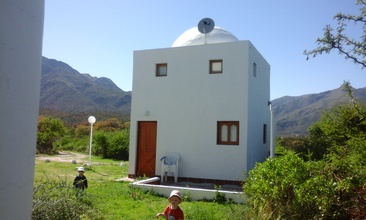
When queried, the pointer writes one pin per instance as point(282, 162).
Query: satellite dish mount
point(205, 26)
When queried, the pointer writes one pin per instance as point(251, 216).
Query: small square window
point(161, 69)
point(215, 66)
point(228, 132)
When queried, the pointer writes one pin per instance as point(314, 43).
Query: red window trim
point(228, 124)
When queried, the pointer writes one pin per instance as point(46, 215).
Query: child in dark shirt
point(80, 181)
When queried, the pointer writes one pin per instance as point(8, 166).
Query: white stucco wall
point(259, 110)
point(189, 101)
point(21, 29)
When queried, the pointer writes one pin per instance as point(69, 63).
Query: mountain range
point(72, 96)
point(65, 89)
point(295, 114)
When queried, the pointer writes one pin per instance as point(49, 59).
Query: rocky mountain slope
point(295, 114)
point(65, 89)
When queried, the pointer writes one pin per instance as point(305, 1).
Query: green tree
point(114, 145)
point(342, 133)
point(49, 130)
point(338, 39)
point(111, 124)
point(340, 124)
point(300, 145)
point(82, 130)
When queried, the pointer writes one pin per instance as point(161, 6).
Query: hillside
point(65, 91)
point(295, 114)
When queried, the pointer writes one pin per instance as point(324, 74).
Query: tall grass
point(109, 199)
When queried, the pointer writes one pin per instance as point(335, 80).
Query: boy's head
point(81, 170)
point(175, 197)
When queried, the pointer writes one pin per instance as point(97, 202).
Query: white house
point(207, 99)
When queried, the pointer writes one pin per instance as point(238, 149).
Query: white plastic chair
point(169, 163)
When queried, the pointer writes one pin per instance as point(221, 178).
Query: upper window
point(215, 66)
point(161, 69)
point(228, 132)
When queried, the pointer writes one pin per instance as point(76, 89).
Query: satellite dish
point(206, 25)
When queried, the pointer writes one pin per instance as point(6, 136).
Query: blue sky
point(99, 37)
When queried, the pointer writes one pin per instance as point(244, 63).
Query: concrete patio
point(195, 191)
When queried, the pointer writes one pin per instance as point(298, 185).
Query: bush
point(288, 187)
point(219, 197)
point(49, 131)
point(70, 143)
point(56, 199)
point(113, 145)
point(303, 146)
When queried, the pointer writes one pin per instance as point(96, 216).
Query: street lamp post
point(91, 120)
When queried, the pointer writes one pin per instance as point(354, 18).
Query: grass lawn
point(118, 200)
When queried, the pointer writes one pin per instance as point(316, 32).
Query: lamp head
point(91, 119)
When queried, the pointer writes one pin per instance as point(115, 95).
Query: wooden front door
point(146, 148)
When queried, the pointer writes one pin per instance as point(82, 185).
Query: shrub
point(49, 130)
point(119, 145)
point(56, 199)
point(100, 144)
point(288, 187)
point(219, 197)
point(113, 145)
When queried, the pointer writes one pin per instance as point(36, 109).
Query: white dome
point(194, 37)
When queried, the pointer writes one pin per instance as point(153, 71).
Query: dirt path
point(63, 157)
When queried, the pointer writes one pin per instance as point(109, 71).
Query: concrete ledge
point(192, 193)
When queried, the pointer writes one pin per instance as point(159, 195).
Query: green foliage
point(219, 197)
point(76, 119)
point(56, 199)
point(49, 131)
point(112, 144)
point(339, 126)
point(331, 185)
point(208, 210)
point(272, 184)
point(82, 130)
point(288, 187)
point(303, 146)
point(110, 138)
point(348, 168)
point(338, 39)
point(70, 143)
point(111, 124)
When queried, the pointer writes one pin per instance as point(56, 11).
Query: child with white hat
point(173, 211)
point(80, 180)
